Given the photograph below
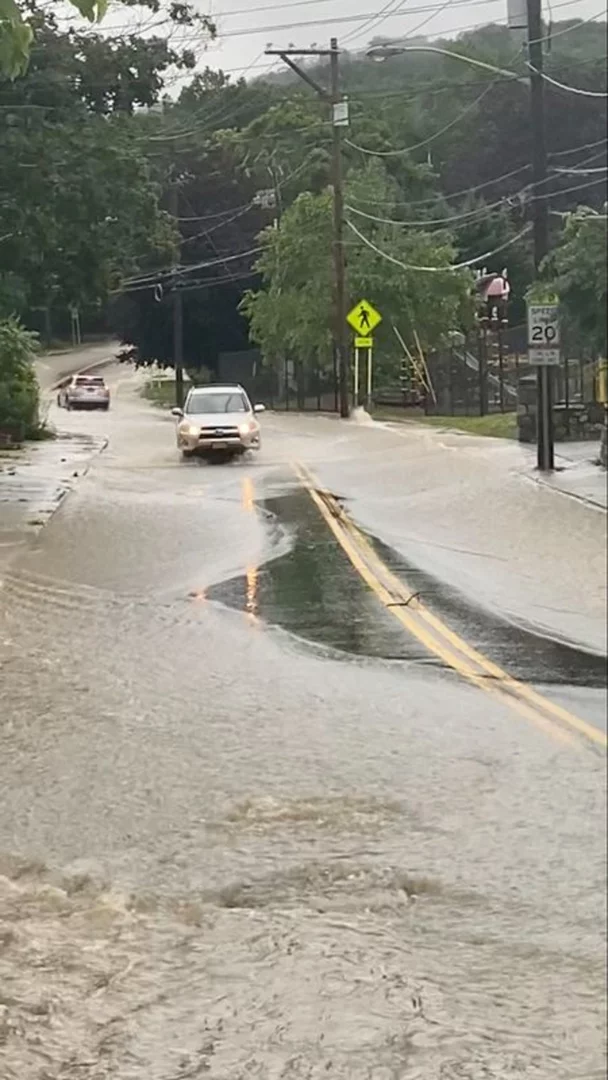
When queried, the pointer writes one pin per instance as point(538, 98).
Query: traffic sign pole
point(544, 352)
point(363, 319)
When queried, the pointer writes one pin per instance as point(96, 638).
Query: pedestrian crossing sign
point(364, 318)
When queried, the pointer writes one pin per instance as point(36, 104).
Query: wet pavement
point(250, 827)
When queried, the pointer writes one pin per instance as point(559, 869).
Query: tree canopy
point(96, 143)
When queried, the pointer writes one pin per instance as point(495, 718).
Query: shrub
point(19, 397)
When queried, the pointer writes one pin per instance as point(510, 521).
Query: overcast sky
point(246, 27)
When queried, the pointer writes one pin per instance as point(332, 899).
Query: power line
point(438, 269)
point(376, 20)
point(207, 232)
point(580, 172)
point(568, 191)
point(566, 87)
point(431, 138)
point(568, 29)
point(174, 271)
point(452, 195)
point(478, 212)
point(247, 31)
point(577, 149)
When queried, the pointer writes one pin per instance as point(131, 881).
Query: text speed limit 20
point(543, 325)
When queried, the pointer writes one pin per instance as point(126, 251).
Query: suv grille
point(219, 433)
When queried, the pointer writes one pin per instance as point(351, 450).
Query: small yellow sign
point(364, 342)
point(364, 318)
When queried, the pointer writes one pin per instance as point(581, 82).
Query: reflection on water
point(314, 592)
point(251, 578)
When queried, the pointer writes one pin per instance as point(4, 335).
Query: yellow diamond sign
point(364, 318)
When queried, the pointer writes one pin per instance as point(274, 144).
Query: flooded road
point(250, 826)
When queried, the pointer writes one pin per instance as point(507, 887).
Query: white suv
point(217, 421)
point(85, 392)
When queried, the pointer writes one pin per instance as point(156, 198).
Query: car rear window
point(90, 380)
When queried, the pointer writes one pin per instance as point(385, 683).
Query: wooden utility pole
point(333, 98)
point(178, 311)
point(338, 237)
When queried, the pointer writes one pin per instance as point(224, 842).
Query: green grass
point(161, 392)
point(496, 425)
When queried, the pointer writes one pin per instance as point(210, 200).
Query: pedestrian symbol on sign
point(364, 318)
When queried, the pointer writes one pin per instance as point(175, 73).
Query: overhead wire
point(431, 138)
point(580, 172)
point(514, 200)
point(220, 225)
point(452, 195)
point(577, 149)
point(248, 31)
point(151, 277)
point(174, 271)
point(380, 17)
point(567, 29)
point(438, 269)
point(453, 219)
point(565, 86)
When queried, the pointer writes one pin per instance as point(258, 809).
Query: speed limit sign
point(543, 334)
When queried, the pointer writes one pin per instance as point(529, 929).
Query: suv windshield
point(217, 403)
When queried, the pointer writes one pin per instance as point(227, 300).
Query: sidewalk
point(33, 481)
point(577, 473)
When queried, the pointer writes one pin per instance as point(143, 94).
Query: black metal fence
point(296, 385)
point(488, 372)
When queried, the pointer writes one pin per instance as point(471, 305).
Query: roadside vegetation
point(495, 425)
point(19, 401)
point(431, 181)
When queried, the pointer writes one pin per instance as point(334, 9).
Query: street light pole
point(540, 218)
point(332, 97)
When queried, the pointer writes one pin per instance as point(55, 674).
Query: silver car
point(84, 392)
point(217, 421)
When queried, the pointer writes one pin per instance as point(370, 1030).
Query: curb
point(63, 491)
point(591, 503)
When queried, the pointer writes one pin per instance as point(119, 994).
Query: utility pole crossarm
point(286, 58)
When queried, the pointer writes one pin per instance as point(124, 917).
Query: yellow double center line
point(456, 653)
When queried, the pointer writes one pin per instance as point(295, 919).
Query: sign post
point(544, 353)
point(363, 319)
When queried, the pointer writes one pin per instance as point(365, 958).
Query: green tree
point(79, 208)
point(18, 384)
point(20, 23)
point(576, 270)
point(293, 311)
